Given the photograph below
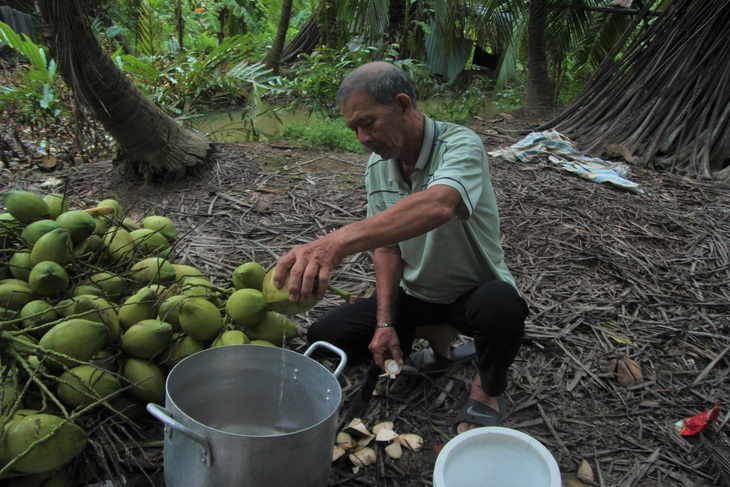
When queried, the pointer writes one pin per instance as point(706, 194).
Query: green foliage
point(323, 134)
point(151, 29)
point(420, 73)
point(463, 106)
point(193, 83)
point(35, 95)
point(510, 97)
point(315, 78)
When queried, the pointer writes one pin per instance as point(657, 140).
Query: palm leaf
point(35, 54)
point(366, 17)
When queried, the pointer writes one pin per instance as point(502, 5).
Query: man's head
point(378, 103)
point(380, 80)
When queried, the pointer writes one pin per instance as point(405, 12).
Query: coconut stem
point(349, 297)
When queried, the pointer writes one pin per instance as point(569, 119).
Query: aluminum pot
point(250, 415)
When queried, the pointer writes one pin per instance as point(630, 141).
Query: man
point(433, 225)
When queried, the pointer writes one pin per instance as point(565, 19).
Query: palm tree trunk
point(151, 144)
point(273, 60)
point(539, 93)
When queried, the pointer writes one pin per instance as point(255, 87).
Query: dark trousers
point(493, 314)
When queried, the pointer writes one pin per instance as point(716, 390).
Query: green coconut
point(275, 328)
point(146, 338)
point(198, 287)
point(79, 223)
point(161, 224)
point(142, 305)
point(169, 311)
point(54, 246)
point(113, 285)
point(20, 265)
point(147, 379)
point(57, 204)
point(114, 204)
point(25, 206)
point(85, 384)
point(231, 337)
point(87, 247)
point(75, 338)
point(181, 347)
point(14, 296)
point(246, 307)
point(182, 271)
point(86, 290)
point(153, 270)
point(96, 308)
point(249, 275)
point(37, 313)
point(48, 279)
point(33, 231)
point(200, 319)
point(278, 299)
point(17, 282)
point(51, 443)
point(118, 243)
point(148, 242)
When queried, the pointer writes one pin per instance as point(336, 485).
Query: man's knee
point(497, 304)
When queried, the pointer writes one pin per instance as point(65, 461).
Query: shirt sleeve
point(462, 166)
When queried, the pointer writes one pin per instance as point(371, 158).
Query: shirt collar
point(429, 133)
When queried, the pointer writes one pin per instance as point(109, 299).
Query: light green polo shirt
point(465, 252)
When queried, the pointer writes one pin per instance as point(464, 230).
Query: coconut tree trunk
point(665, 102)
point(306, 40)
point(273, 60)
point(539, 92)
point(151, 144)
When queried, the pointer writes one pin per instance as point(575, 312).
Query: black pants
point(494, 314)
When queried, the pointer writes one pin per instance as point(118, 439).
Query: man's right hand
point(305, 263)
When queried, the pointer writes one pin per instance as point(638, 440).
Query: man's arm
point(414, 215)
point(388, 272)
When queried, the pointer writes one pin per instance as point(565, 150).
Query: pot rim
point(189, 420)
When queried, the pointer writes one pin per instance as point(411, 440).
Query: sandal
point(428, 362)
point(478, 413)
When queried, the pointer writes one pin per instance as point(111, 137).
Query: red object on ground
point(695, 424)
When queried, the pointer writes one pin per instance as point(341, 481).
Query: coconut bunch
point(94, 313)
point(356, 442)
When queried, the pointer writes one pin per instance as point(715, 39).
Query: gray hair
point(380, 80)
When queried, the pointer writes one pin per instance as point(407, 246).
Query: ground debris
point(605, 273)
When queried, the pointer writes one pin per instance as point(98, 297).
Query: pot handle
point(166, 417)
point(331, 348)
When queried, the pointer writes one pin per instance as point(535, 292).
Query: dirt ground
point(607, 274)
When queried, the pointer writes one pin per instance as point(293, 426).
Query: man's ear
point(403, 102)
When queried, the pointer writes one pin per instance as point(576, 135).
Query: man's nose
point(364, 136)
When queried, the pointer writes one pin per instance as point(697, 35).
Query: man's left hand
point(385, 345)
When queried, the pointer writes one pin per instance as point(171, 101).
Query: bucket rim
point(439, 472)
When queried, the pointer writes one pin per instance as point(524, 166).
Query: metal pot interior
point(253, 390)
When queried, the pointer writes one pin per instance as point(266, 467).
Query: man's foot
point(480, 410)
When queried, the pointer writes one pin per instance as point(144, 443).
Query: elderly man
point(432, 222)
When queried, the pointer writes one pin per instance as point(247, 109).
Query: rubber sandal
point(478, 413)
point(428, 362)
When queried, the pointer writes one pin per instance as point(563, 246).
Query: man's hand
point(385, 345)
point(305, 263)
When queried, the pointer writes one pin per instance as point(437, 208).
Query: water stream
point(249, 125)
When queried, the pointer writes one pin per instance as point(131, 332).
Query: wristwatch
point(384, 325)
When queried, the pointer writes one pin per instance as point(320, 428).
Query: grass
point(323, 134)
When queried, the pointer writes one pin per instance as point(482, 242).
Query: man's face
point(378, 127)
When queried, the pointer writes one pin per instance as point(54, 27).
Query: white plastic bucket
point(495, 457)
